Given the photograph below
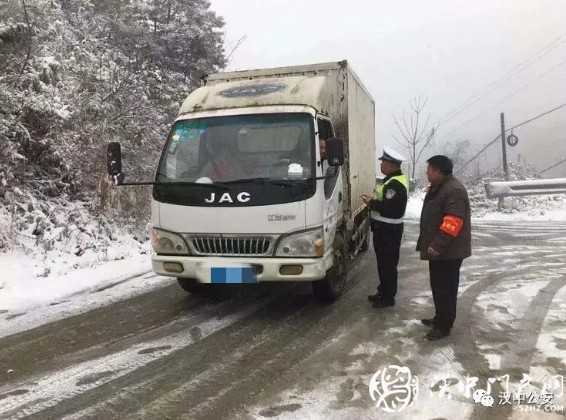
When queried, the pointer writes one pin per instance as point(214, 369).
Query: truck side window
point(325, 131)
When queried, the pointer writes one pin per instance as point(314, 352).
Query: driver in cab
point(224, 164)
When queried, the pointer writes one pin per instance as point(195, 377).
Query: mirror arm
point(126, 184)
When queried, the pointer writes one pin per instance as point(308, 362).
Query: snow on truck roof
point(312, 85)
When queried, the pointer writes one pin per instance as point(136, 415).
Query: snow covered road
point(273, 352)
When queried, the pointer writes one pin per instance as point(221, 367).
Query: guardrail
point(497, 189)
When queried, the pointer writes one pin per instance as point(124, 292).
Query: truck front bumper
point(266, 269)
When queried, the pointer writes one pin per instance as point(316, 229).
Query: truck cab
point(253, 184)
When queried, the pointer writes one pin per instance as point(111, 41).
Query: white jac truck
point(260, 179)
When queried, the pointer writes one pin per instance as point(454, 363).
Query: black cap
point(442, 163)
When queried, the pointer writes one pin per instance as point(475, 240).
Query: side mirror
point(335, 151)
point(114, 162)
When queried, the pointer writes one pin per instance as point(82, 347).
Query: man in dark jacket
point(387, 206)
point(445, 240)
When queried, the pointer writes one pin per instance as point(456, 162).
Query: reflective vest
point(379, 197)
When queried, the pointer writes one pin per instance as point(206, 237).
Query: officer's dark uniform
point(387, 211)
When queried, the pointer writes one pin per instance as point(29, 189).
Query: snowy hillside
point(75, 75)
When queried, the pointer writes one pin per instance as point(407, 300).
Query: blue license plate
point(233, 275)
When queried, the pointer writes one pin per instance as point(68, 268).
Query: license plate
point(233, 275)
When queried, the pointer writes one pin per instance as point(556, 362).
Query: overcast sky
point(446, 50)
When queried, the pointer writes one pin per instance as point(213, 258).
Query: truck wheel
point(192, 286)
point(333, 285)
point(365, 244)
point(208, 291)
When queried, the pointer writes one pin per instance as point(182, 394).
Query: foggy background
point(471, 60)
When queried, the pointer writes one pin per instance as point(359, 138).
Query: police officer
point(387, 206)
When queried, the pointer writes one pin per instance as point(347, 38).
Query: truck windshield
point(240, 148)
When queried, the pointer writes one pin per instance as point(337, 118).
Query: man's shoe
point(383, 303)
point(428, 322)
point(374, 298)
point(437, 334)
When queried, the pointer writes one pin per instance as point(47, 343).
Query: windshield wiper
point(216, 186)
point(274, 181)
point(247, 181)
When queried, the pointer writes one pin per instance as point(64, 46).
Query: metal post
point(500, 202)
point(504, 147)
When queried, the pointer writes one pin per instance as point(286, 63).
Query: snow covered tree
point(76, 74)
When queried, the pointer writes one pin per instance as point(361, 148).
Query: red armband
point(452, 225)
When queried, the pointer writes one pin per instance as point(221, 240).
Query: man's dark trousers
point(387, 244)
point(444, 282)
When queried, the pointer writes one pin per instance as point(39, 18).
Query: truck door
point(333, 195)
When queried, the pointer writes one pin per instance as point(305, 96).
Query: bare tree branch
point(415, 132)
point(425, 129)
point(401, 130)
point(400, 142)
point(406, 126)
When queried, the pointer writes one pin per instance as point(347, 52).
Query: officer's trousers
point(444, 282)
point(387, 244)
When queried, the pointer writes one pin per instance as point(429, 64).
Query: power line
point(238, 44)
point(479, 153)
point(554, 165)
point(506, 98)
point(544, 114)
point(518, 68)
point(515, 70)
point(521, 124)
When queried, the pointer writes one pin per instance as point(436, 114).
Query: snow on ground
point(415, 205)
point(550, 359)
point(59, 248)
point(112, 290)
point(22, 290)
point(544, 214)
point(29, 297)
point(54, 387)
point(341, 392)
point(535, 208)
point(60, 259)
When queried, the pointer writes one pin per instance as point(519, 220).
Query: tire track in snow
point(189, 379)
point(56, 387)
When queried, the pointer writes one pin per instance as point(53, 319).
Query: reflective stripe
point(379, 197)
point(379, 218)
point(380, 187)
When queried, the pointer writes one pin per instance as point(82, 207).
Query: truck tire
point(365, 244)
point(192, 286)
point(207, 291)
point(334, 284)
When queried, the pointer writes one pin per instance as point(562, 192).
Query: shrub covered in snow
point(75, 75)
point(530, 205)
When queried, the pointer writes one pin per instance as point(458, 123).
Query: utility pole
point(504, 147)
point(504, 151)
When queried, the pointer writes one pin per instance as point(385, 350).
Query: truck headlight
point(302, 244)
point(167, 243)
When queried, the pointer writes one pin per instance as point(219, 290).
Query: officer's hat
point(391, 155)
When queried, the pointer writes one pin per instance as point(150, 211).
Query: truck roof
point(305, 70)
point(311, 85)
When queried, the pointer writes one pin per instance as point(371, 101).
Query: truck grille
point(231, 246)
